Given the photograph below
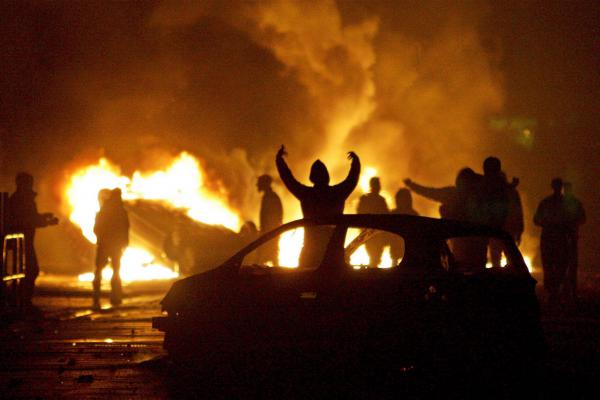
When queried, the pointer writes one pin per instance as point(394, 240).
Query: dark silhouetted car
point(435, 318)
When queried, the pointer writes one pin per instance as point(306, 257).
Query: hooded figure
point(320, 200)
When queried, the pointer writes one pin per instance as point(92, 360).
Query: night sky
point(417, 90)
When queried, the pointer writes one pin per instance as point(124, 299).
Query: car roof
point(406, 225)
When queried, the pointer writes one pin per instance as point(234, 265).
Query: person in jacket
point(112, 233)
point(25, 218)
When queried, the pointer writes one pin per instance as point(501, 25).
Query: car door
point(283, 301)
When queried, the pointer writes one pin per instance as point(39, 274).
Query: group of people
point(374, 203)
point(487, 198)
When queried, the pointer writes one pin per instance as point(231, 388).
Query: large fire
point(180, 185)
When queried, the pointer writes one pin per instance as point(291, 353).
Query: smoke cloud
point(409, 86)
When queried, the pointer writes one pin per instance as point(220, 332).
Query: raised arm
point(441, 195)
point(295, 187)
point(347, 185)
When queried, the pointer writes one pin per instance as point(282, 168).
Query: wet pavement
point(69, 350)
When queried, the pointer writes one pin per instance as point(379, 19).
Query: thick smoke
point(412, 100)
point(409, 86)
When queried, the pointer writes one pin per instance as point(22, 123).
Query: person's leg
point(562, 260)
point(374, 250)
point(32, 270)
point(495, 253)
point(571, 274)
point(101, 259)
point(115, 282)
point(548, 265)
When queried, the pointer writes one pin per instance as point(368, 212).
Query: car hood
point(188, 290)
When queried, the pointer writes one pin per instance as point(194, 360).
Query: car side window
point(472, 254)
point(373, 248)
point(299, 247)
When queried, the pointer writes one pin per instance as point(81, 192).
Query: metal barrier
point(12, 268)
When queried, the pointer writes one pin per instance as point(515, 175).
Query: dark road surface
point(70, 351)
point(73, 352)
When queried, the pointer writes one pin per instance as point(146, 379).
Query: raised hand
point(281, 152)
point(352, 156)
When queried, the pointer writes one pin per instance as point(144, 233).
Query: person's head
point(103, 195)
point(263, 183)
point(466, 179)
point(403, 199)
point(557, 185)
point(319, 175)
point(24, 181)
point(375, 184)
point(568, 188)
point(248, 229)
point(115, 196)
point(492, 166)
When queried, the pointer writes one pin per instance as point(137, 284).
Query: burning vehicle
point(193, 245)
point(430, 314)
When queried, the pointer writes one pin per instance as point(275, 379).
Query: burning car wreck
point(431, 317)
point(193, 245)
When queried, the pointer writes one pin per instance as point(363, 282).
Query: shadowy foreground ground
point(71, 351)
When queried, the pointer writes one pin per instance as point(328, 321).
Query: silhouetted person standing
point(320, 200)
point(514, 223)
point(496, 202)
point(462, 202)
point(554, 242)
point(575, 217)
point(374, 203)
point(112, 233)
point(271, 216)
point(403, 206)
point(25, 218)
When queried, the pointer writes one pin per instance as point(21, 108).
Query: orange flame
point(181, 185)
